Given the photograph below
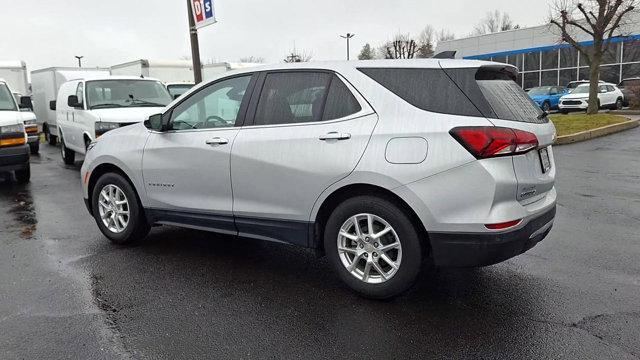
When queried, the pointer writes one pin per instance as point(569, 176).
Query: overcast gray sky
point(49, 33)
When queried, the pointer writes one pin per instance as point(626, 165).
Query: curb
point(594, 133)
point(624, 112)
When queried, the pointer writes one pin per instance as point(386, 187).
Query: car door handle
point(334, 135)
point(217, 141)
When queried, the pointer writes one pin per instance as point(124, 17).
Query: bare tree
point(494, 21)
point(602, 20)
point(426, 42)
point(401, 47)
point(298, 56)
point(444, 35)
point(367, 53)
point(252, 59)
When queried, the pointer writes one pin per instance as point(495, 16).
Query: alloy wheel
point(369, 248)
point(113, 207)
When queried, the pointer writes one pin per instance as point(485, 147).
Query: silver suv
point(380, 165)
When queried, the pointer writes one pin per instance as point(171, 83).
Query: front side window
point(215, 106)
point(80, 93)
point(7, 102)
point(294, 97)
point(178, 89)
point(126, 93)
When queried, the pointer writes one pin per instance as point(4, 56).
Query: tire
point(136, 227)
point(51, 139)
point(618, 105)
point(409, 256)
point(564, 112)
point(23, 176)
point(34, 148)
point(68, 156)
point(546, 106)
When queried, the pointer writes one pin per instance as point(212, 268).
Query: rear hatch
point(493, 90)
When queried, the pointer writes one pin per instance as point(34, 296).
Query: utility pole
point(348, 37)
point(195, 46)
point(79, 60)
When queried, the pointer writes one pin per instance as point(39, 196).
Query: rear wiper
point(105, 105)
point(543, 115)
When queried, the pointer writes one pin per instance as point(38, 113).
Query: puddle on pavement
point(21, 207)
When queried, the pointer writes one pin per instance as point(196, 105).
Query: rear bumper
point(470, 250)
point(32, 139)
point(14, 158)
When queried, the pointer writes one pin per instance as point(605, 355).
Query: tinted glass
point(177, 90)
point(509, 101)
point(516, 60)
point(584, 73)
point(632, 82)
point(215, 106)
point(568, 57)
point(426, 89)
point(630, 70)
point(567, 76)
point(610, 73)
point(549, 78)
point(532, 61)
point(550, 59)
point(612, 54)
point(531, 80)
point(500, 59)
point(543, 90)
point(340, 101)
point(6, 99)
point(126, 93)
point(293, 97)
point(631, 51)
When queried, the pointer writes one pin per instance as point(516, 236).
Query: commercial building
point(544, 60)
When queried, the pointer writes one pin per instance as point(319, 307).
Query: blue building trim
point(548, 48)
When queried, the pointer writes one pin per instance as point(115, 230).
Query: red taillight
point(504, 225)
point(490, 141)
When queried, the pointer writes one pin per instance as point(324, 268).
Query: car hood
point(126, 115)
point(10, 117)
point(575, 96)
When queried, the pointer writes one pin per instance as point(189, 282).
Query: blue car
point(547, 97)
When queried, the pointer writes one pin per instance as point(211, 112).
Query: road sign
point(203, 13)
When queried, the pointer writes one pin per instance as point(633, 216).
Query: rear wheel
point(34, 147)
point(373, 246)
point(618, 105)
point(23, 176)
point(51, 139)
point(117, 211)
point(68, 156)
point(546, 106)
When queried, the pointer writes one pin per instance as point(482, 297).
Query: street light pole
point(79, 60)
point(348, 37)
point(195, 46)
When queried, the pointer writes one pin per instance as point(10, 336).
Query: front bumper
point(14, 158)
point(573, 104)
point(471, 250)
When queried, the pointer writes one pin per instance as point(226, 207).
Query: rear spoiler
point(446, 55)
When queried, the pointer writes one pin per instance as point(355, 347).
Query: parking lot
point(185, 293)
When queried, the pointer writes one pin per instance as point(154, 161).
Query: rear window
point(482, 92)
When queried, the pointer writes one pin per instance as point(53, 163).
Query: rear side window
point(427, 89)
point(294, 97)
point(340, 101)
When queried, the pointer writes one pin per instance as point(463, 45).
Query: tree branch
point(616, 23)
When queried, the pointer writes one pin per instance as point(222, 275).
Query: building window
point(631, 51)
point(568, 57)
point(612, 54)
point(610, 73)
point(531, 79)
point(516, 60)
point(583, 74)
point(532, 61)
point(500, 59)
point(630, 70)
point(568, 75)
point(549, 78)
point(550, 59)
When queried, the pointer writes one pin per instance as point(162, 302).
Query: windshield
point(543, 90)
point(178, 89)
point(628, 83)
point(582, 89)
point(7, 102)
point(126, 93)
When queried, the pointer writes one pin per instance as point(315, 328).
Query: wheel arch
point(357, 189)
point(105, 168)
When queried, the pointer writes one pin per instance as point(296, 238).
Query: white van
point(14, 152)
point(86, 109)
point(45, 84)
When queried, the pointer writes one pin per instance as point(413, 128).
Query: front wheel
point(546, 107)
point(68, 156)
point(373, 246)
point(34, 148)
point(117, 211)
point(618, 105)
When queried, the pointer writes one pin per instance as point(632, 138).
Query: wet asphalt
point(66, 292)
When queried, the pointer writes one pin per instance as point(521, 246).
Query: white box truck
point(167, 71)
point(14, 73)
point(45, 84)
point(209, 71)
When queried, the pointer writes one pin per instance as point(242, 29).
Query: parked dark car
point(631, 90)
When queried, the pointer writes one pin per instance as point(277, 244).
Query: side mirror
point(155, 122)
point(25, 103)
point(73, 102)
point(52, 105)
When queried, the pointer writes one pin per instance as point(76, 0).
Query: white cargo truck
point(45, 84)
point(14, 73)
point(173, 71)
point(209, 71)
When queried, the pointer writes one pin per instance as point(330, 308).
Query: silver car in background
point(380, 165)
